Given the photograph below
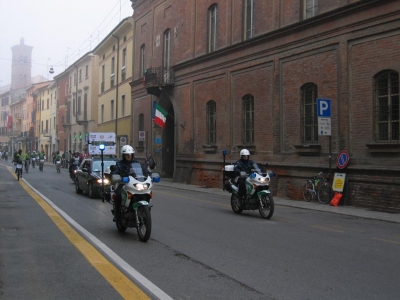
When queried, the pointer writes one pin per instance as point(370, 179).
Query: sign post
point(324, 125)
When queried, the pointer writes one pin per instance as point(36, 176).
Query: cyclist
point(27, 161)
point(57, 158)
point(18, 160)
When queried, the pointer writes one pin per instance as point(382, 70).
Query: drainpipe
point(117, 83)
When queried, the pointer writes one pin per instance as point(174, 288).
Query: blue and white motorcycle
point(135, 204)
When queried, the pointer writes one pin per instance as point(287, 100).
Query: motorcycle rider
point(244, 164)
point(71, 162)
point(123, 168)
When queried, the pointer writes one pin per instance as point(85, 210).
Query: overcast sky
point(60, 32)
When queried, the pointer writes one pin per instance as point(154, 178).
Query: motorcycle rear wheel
point(237, 209)
point(144, 226)
point(266, 206)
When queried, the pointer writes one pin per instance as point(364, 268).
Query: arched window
point(211, 122)
point(212, 28)
point(141, 127)
point(387, 107)
point(309, 120)
point(248, 119)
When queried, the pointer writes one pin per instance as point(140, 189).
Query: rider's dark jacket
point(243, 165)
point(123, 168)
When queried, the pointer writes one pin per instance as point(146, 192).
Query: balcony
point(157, 78)
point(81, 118)
point(13, 133)
point(46, 132)
point(18, 116)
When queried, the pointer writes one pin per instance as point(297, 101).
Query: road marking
point(325, 228)
point(388, 241)
point(122, 284)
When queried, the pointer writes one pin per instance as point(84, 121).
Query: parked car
point(88, 176)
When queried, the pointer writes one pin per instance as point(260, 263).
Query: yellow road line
point(115, 277)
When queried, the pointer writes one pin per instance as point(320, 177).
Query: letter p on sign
point(324, 107)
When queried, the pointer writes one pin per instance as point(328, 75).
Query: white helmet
point(244, 152)
point(127, 150)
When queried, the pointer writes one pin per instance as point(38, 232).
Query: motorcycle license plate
point(19, 166)
point(42, 160)
point(58, 162)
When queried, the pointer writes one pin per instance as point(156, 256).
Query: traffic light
point(80, 136)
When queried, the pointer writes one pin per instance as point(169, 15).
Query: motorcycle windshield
point(137, 171)
point(259, 168)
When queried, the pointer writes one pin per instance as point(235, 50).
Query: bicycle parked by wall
point(318, 186)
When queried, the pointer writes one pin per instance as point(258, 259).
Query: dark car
point(88, 176)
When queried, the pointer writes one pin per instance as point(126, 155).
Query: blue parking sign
point(324, 107)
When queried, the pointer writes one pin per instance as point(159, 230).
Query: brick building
point(247, 73)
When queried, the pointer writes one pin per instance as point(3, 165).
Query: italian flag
point(160, 115)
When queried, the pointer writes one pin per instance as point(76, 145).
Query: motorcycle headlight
point(104, 180)
point(141, 186)
point(264, 180)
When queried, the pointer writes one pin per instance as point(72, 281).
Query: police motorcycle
point(135, 203)
point(258, 196)
point(74, 168)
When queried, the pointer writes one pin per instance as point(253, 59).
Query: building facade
point(115, 74)
point(81, 106)
point(247, 74)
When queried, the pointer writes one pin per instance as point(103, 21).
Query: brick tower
point(21, 65)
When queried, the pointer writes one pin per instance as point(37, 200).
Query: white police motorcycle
point(135, 200)
point(258, 196)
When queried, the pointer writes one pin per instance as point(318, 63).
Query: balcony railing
point(81, 118)
point(159, 76)
point(13, 133)
point(155, 78)
point(18, 116)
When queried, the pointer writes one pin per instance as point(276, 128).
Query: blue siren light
point(102, 147)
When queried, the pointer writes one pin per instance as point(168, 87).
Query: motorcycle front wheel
point(266, 206)
point(144, 226)
point(237, 209)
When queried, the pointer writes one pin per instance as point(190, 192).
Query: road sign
point(324, 108)
point(338, 182)
point(342, 159)
point(324, 126)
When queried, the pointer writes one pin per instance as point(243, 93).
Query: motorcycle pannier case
point(229, 171)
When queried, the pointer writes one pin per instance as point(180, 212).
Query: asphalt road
point(199, 249)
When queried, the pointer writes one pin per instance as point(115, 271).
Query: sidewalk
point(344, 210)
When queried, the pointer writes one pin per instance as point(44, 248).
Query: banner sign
point(105, 138)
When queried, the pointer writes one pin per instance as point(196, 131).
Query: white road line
point(152, 288)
